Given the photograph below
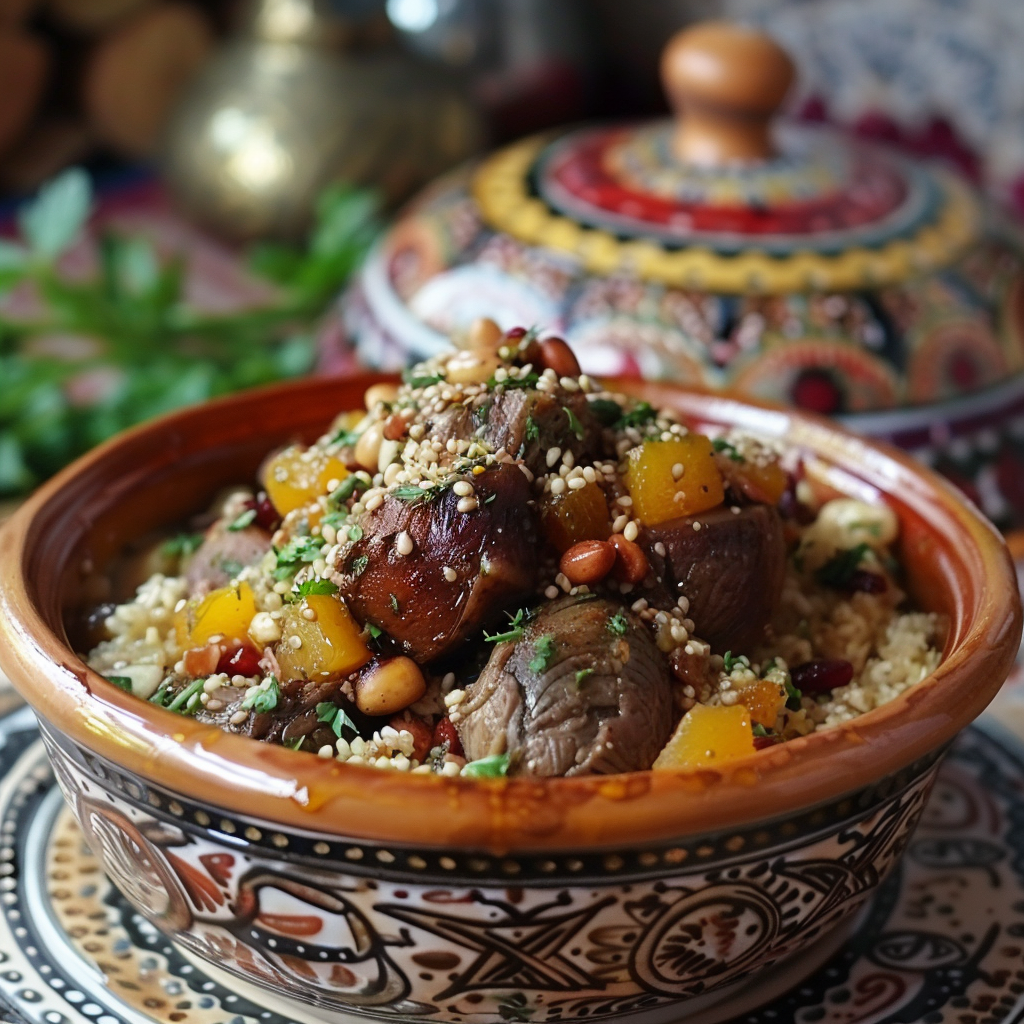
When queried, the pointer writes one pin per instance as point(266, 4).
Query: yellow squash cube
point(708, 737)
point(298, 476)
point(226, 612)
point(667, 479)
point(331, 644)
point(576, 515)
point(764, 700)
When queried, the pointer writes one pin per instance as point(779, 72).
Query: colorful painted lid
point(783, 261)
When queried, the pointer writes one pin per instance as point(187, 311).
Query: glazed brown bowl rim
point(268, 783)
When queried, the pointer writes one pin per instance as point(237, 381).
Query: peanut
point(367, 450)
point(556, 355)
point(375, 393)
point(631, 565)
point(588, 562)
point(389, 686)
point(484, 336)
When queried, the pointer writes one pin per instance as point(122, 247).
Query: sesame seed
point(677, 471)
point(589, 474)
point(450, 574)
point(625, 501)
point(577, 483)
point(620, 523)
point(631, 532)
point(659, 549)
point(403, 543)
point(563, 581)
point(467, 504)
point(551, 592)
point(557, 485)
point(696, 527)
point(462, 488)
point(553, 455)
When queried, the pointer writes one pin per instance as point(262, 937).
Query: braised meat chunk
point(583, 690)
point(222, 556)
point(729, 564)
point(429, 575)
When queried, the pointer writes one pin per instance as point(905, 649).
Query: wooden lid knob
point(725, 82)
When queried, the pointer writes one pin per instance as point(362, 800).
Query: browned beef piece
point(600, 703)
point(222, 555)
point(491, 551)
point(731, 569)
point(511, 411)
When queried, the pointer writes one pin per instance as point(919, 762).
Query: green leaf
point(515, 630)
point(247, 518)
point(347, 488)
point(721, 445)
point(582, 676)
point(838, 571)
point(514, 383)
point(296, 744)
point(618, 624)
point(421, 380)
point(793, 696)
point(54, 219)
point(313, 588)
point(574, 424)
point(187, 701)
point(339, 720)
point(413, 495)
point(493, 767)
point(358, 565)
point(543, 653)
point(608, 413)
point(264, 698)
point(182, 545)
point(297, 552)
point(121, 682)
point(759, 730)
point(532, 432)
point(640, 414)
point(355, 532)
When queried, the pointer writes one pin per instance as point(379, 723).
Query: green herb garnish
point(582, 676)
point(608, 413)
point(793, 696)
point(295, 554)
point(727, 448)
point(574, 424)
point(349, 486)
point(415, 380)
point(346, 438)
point(358, 565)
point(493, 767)
point(296, 744)
point(514, 383)
point(729, 662)
point(181, 546)
point(642, 413)
point(263, 698)
point(618, 624)
point(532, 431)
point(759, 730)
point(543, 653)
point(515, 630)
point(838, 571)
point(312, 588)
point(121, 682)
point(187, 700)
point(338, 719)
point(413, 495)
point(160, 697)
point(247, 518)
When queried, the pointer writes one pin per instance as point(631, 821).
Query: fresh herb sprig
point(337, 717)
point(838, 571)
point(515, 630)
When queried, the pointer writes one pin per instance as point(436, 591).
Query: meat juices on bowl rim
point(573, 898)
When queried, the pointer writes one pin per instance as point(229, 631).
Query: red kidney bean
point(821, 676)
point(445, 732)
point(240, 660)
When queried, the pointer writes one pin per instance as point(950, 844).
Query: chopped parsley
point(181, 546)
point(375, 631)
point(160, 697)
point(793, 696)
point(532, 431)
point(493, 767)
point(312, 588)
point(264, 697)
point(334, 518)
point(514, 383)
point(608, 413)
point(413, 495)
point(759, 730)
point(346, 438)
point(574, 424)
point(543, 653)
point(121, 682)
point(415, 380)
point(729, 662)
point(726, 448)
point(358, 565)
point(618, 624)
point(187, 701)
point(336, 717)
point(515, 630)
point(247, 518)
point(838, 571)
point(643, 413)
point(582, 676)
point(355, 532)
point(297, 552)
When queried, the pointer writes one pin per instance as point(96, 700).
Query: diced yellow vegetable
point(331, 644)
point(673, 478)
point(708, 737)
point(576, 515)
point(764, 700)
point(226, 612)
point(297, 476)
point(765, 483)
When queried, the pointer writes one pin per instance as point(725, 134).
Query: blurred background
point(186, 186)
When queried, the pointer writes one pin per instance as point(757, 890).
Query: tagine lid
point(722, 198)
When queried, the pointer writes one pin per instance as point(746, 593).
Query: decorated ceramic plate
point(942, 942)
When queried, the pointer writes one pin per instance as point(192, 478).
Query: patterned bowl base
point(942, 942)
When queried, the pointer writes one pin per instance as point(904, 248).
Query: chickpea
point(389, 686)
point(375, 393)
point(587, 562)
point(367, 450)
point(471, 367)
point(484, 336)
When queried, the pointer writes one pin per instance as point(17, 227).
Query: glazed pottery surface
point(364, 893)
point(791, 265)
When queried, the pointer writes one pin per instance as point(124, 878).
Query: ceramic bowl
point(395, 897)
